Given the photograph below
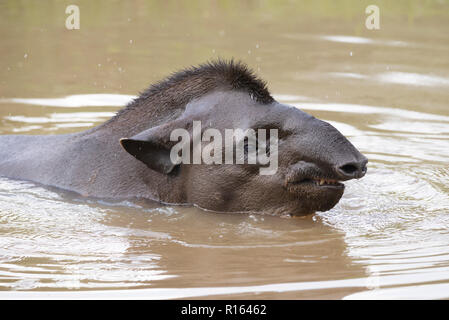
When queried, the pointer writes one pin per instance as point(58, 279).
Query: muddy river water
point(387, 90)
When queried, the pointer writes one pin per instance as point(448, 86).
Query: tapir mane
point(181, 87)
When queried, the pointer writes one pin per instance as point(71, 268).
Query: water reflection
point(78, 100)
point(49, 242)
point(361, 40)
point(404, 78)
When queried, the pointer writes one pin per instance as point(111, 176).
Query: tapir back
point(29, 157)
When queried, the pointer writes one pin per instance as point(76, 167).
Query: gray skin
point(93, 163)
point(103, 162)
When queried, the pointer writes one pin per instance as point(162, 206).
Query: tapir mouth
point(319, 182)
point(307, 176)
point(324, 180)
point(316, 192)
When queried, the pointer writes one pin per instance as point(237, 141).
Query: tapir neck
point(91, 163)
point(137, 117)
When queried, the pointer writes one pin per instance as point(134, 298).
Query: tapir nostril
point(349, 169)
point(352, 170)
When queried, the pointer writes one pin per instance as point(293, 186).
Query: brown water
point(386, 90)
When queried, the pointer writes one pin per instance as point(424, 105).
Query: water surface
point(386, 90)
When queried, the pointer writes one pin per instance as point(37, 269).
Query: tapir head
point(312, 157)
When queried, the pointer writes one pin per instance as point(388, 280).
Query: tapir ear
point(150, 148)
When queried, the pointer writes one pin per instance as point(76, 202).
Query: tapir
point(129, 156)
